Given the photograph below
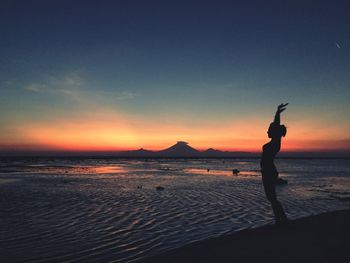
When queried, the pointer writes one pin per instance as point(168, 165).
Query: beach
point(125, 210)
point(174, 131)
point(319, 238)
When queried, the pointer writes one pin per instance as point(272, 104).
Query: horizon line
point(113, 154)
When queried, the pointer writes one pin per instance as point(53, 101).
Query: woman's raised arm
point(280, 108)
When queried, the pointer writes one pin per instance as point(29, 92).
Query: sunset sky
point(116, 75)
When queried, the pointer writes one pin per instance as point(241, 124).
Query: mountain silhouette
point(137, 153)
point(213, 153)
point(182, 150)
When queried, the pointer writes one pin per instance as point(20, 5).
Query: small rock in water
point(235, 171)
point(159, 188)
point(208, 170)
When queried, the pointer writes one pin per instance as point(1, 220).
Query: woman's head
point(276, 130)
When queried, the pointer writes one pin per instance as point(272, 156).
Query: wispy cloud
point(34, 87)
point(7, 83)
point(66, 85)
point(126, 95)
point(73, 87)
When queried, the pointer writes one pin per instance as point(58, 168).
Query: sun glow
point(111, 131)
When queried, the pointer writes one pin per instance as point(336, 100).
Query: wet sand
point(320, 238)
point(67, 210)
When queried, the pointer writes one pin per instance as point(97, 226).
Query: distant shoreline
point(319, 238)
point(180, 150)
point(87, 156)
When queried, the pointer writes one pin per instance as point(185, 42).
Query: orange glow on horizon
point(106, 132)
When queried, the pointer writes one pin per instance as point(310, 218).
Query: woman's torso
point(267, 165)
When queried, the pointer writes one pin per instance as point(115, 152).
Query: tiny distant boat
point(235, 171)
point(281, 181)
point(159, 188)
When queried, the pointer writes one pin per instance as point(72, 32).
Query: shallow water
point(56, 210)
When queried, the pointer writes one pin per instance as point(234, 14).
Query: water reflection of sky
point(208, 171)
point(119, 199)
point(110, 169)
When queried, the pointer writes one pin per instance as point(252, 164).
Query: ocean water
point(109, 210)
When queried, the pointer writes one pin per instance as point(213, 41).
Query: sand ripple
point(89, 217)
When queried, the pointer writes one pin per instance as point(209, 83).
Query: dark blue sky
point(179, 61)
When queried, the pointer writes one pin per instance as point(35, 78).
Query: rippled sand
point(110, 210)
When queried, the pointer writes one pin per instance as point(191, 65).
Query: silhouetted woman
point(268, 169)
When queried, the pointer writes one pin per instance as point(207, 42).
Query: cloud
point(126, 95)
point(72, 86)
point(34, 87)
point(7, 83)
point(67, 85)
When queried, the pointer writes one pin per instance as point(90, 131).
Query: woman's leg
point(278, 210)
point(270, 191)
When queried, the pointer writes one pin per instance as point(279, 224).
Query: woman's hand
point(281, 107)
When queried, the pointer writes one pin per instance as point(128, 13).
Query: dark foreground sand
point(320, 238)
